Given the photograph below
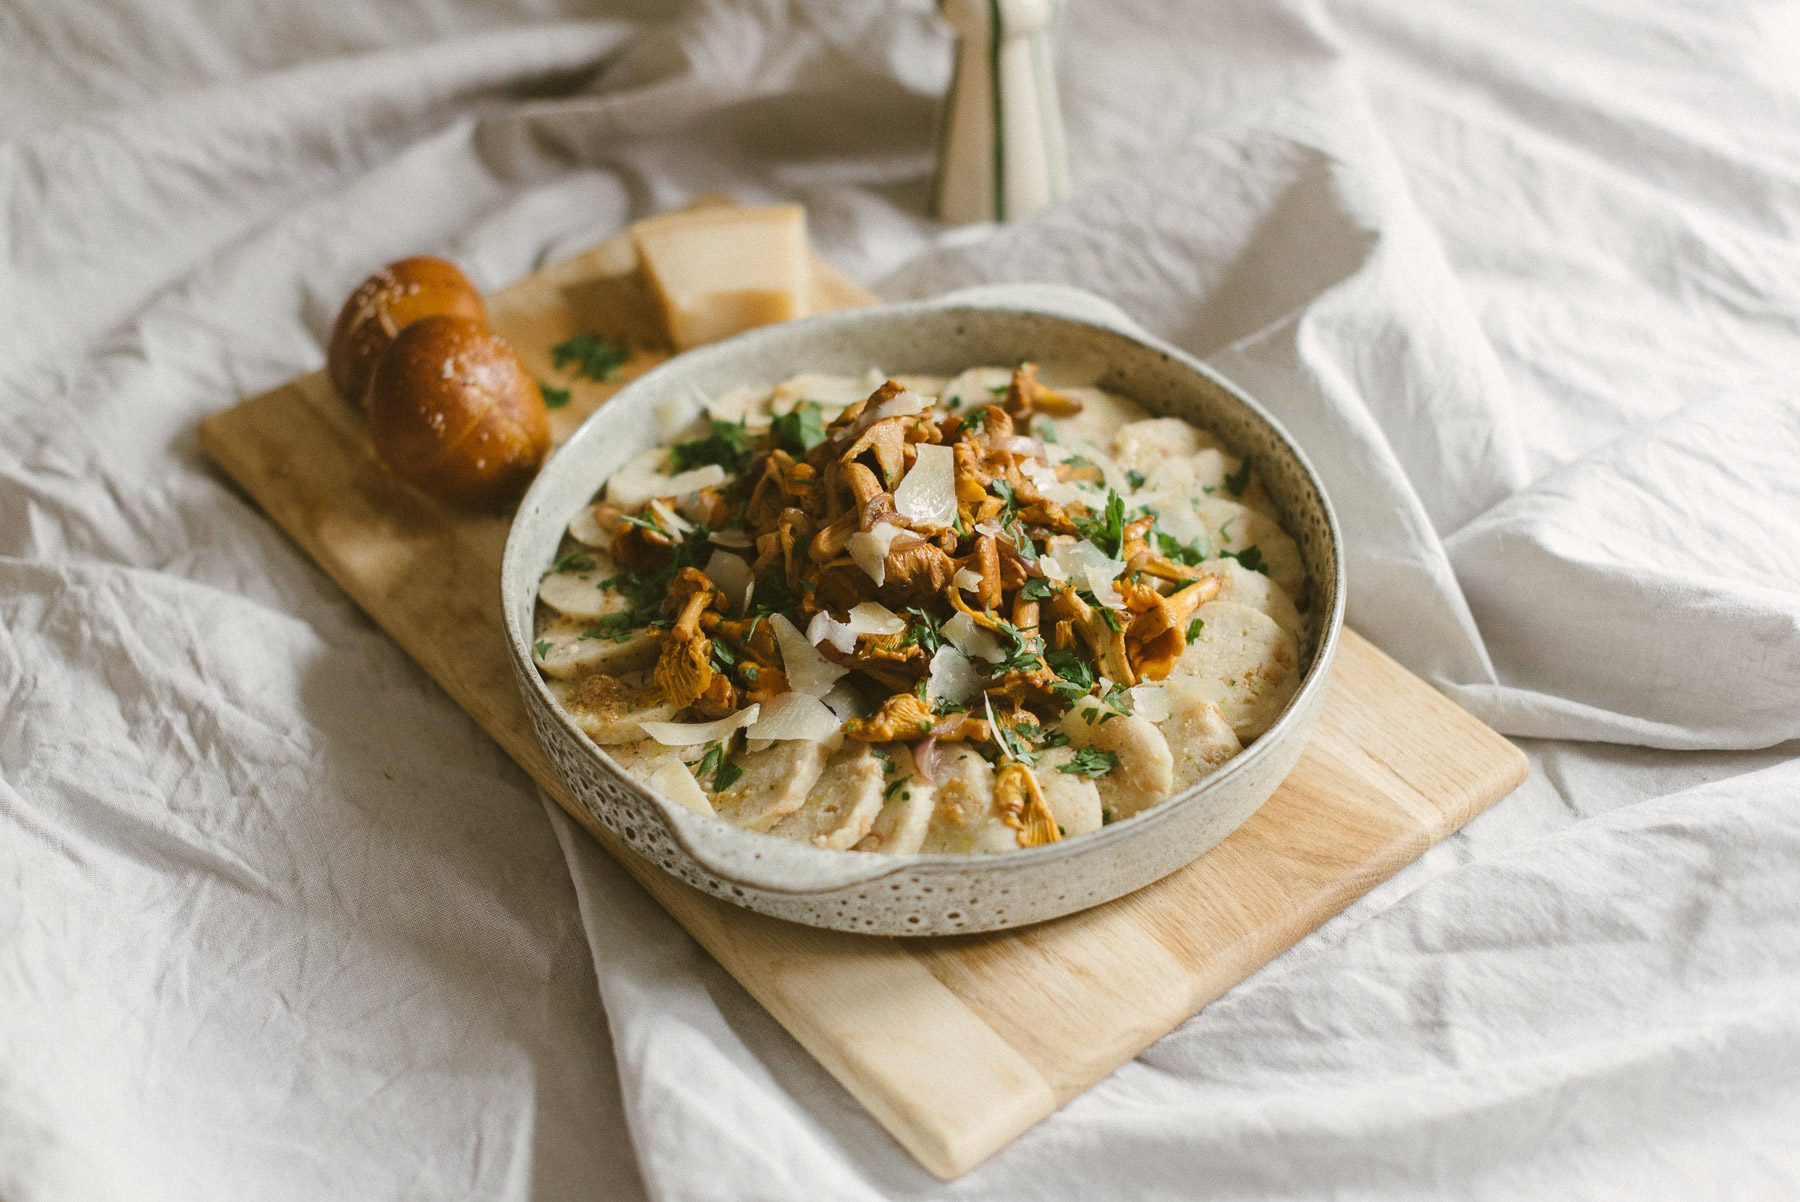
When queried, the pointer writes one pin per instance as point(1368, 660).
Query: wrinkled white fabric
point(1523, 276)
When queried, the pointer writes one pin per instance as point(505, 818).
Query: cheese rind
point(721, 271)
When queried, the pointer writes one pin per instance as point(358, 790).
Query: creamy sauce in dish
point(923, 614)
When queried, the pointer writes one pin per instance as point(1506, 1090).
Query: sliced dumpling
point(907, 802)
point(663, 771)
point(612, 709)
point(567, 648)
point(1145, 773)
point(964, 819)
point(843, 804)
point(772, 783)
point(575, 590)
point(1241, 662)
point(1238, 528)
point(1257, 591)
point(1074, 799)
point(1102, 416)
point(1144, 445)
point(1208, 472)
point(1200, 739)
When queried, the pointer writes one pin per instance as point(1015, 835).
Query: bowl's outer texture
point(938, 894)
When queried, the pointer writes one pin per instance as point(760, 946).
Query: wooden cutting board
point(956, 1045)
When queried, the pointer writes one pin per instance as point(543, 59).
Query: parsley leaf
point(974, 420)
point(1108, 530)
point(1037, 589)
point(1090, 762)
point(1075, 677)
point(590, 355)
point(923, 631)
point(1239, 480)
point(1250, 557)
point(554, 398)
point(728, 446)
point(574, 561)
point(542, 647)
point(726, 776)
point(1179, 552)
point(898, 783)
point(1134, 477)
point(1194, 629)
point(800, 429)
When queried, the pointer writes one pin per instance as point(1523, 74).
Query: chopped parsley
point(542, 647)
point(974, 420)
point(1020, 650)
point(574, 561)
point(1134, 478)
point(1045, 429)
point(726, 776)
point(1075, 676)
point(1009, 499)
point(1090, 762)
point(1177, 551)
point(1194, 629)
point(1108, 530)
point(615, 628)
point(999, 389)
point(800, 429)
point(728, 446)
point(923, 631)
point(1250, 557)
point(1239, 480)
point(1116, 699)
point(589, 356)
point(554, 398)
point(1037, 589)
point(898, 783)
point(887, 760)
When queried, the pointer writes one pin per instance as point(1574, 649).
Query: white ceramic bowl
point(929, 894)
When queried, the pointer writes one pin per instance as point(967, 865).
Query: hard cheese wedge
point(720, 271)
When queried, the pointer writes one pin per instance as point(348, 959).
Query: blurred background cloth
point(278, 922)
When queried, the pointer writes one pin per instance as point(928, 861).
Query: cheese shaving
point(692, 734)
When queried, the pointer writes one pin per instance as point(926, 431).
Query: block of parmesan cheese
point(720, 271)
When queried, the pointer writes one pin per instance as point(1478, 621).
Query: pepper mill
point(1001, 155)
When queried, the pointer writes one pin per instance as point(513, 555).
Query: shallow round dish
point(929, 894)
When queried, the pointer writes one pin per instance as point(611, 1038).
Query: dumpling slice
point(567, 648)
point(907, 803)
point(1258, 592)
point(1143, 446)
point(1241, 662)
point(843, 805)
point(1074, 800)
point(1199, 737)
point(575, 591)
point(662, 770)
point(965, 818)
point(1145, 774)
point(772, 783)
point(1208, 472)
point(611, 709)
point(1103, 414)
point(1237, 528)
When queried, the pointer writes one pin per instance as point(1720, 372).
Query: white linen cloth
point(278, 921)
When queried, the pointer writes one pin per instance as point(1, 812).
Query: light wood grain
point(956, 1045)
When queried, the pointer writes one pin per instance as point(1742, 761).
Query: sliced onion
point(869, 549)
point(927, 496)
point(795, 716)
point(1150, 701)
point(967, 579)
point(925, 758)
point(734, 578)
point(968, 637)
point(872, 617)
point(692, 734)
point(807, 671)
point(953, 677)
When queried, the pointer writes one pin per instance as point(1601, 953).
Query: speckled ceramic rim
point(837, 870)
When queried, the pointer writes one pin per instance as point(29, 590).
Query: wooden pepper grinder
point(1001, 155)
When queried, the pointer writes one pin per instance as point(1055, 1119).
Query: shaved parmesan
point(807, 671)
point(668, 519)
point(1088, 565)
point(953, 677)
point(673, 413)
point(641, 480)
point(869, 549)
point(796, 716)
point(967, 579)
point(927, 496)
point(844, 702)
point(732, 574)
point(969, 638)
point(904, 405)
point(1060, 491)
point(826, 629)
point(692, 734)
point(1150, 701)
point(738, 539)
point(872, 617)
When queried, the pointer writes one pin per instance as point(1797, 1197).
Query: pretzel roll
point(383, 305)
point(454, 412)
